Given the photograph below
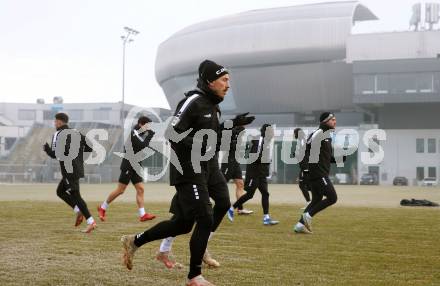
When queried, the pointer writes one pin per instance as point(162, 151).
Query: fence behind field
point(50, 173)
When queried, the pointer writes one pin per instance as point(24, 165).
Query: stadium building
point(289, 64)
point(25, 127)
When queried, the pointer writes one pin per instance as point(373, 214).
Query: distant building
point(16, 119)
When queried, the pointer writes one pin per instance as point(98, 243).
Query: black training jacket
point(235, 142)
point(78, 162)
point(303, 164)
point(139, 141)
point(198, 110)
point(257, 169)
point(321, 168)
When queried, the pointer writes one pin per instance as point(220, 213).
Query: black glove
point(151, 133)
point(47, 148)
point(243, 119)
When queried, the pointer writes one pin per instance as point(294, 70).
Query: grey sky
point(73, 48)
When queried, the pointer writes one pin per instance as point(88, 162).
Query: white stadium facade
point(289, 64)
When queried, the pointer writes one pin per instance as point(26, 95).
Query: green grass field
point(350, 246)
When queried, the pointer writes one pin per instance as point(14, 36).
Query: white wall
point(401, 158)
point(393, 45)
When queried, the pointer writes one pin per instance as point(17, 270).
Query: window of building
point(382, 84)
point(397, 83)
point(420, 145)
point(436, 82)
point(431, 145)
point(101, 114)
point(49, 114)
point(420, 173)
point(364, 84)
point(26, 114)
point(75, 114)
point(432, 172)
point(402, 83)
point(425, 82)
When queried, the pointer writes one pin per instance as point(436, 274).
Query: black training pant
point(190, 205)
point(250, 186)
point(321, 187)
point(68, 191)
point(304, 185)
point(220, 194)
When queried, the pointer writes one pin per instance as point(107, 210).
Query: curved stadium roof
point(287, 36)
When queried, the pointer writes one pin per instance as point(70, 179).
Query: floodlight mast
point(126, 38)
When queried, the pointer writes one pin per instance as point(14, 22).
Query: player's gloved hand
point(151, 133)
point(243, 119)
point(47, 148)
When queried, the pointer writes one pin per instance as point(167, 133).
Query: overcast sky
point(73, 48)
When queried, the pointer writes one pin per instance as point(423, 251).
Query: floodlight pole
point(126, 38)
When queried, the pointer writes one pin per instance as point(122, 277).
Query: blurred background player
point(319, 171)
point(140, 138)
point(257, 173)
point(68, 188)
point(232, 170)
point(303, 176)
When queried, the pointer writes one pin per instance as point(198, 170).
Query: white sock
point(308, 215)
point(211, 235)
point(141, 212)
point(231, 208)
point(166, 244)
point(104, 205)
point(76, 209)
point(90, 220)
point(266, 216)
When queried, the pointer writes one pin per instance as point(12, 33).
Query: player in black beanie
point(199, 110)
point(209, 71)
point(212, 81)
point(319, 171)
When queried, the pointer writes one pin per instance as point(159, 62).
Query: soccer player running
point(303, 176)
point(217, 190)
point(191, 204)
point(232, 170)
point(319, 169)
point(140, 138)
point(257, 173)
point(68, 187)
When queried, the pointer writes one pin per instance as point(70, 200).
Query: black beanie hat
point(325, 116)
point(209, 71)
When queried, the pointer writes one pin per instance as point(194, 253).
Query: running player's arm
point(49, 151)
point(140, 142)
point(254, 149)
point(68, 142)
point(87, 144)
point(150, 135)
